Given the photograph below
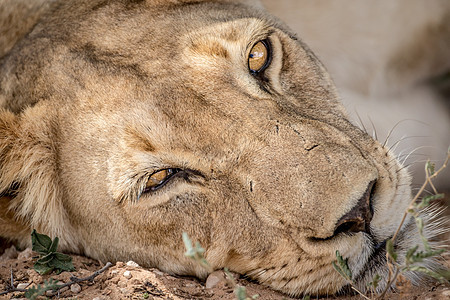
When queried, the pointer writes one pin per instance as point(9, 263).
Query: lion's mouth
point(376, 260)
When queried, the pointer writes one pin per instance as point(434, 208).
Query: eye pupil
point(258, 58)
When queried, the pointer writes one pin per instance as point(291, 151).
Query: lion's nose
point(359, 217)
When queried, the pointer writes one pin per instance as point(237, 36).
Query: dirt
point(129, 281)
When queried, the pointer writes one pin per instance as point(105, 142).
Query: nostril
point(359, 217)
point(355, 225)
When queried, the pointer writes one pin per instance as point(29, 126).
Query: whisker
point(401, 156)
point(405, 138)
point(375, 136)
point(404, 184)
point(428, 192)
point(360, 121)
point(395, 126)
point(410, 164)
point(405, 157)
point(417, 148)
point(394, 146)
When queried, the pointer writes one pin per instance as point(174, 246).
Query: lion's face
point(149, 120)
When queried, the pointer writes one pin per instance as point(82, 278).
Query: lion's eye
point(158, 179)
point(259, 57)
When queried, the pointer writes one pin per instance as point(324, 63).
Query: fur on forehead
point(219, 39)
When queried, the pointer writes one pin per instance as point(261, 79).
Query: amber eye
point(259, 57)
point(158, 179)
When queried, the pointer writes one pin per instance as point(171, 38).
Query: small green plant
point(196, 253)
point(341, 266)
point(49, 259)
point(239, 291)
point(374, 283)
point(39, 290)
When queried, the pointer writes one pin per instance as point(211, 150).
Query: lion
point(125, 123)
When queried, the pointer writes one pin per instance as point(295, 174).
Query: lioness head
point(126, 123)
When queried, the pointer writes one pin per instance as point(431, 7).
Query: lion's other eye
point(259, 58)
point(158, 179)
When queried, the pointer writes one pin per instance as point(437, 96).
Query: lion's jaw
point(269, 165)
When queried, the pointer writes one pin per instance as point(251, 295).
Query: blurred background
point(390, 60)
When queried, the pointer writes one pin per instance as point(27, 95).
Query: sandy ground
point(128, 281)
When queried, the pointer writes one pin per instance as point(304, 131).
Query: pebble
point(122, 284)
point(124, 291)
point(25, 254)
point(120, 264)
point(446, 293)
point(114, 272)
point(115, 280)
point(75, 288)
point(214, 279)
point(62, 290)
point(127, 274)
point(34, 276)
point(21, 276)
point(23, 285)
point(63, 277)
point(84, 273)
point(132, 264)
point(52, 293)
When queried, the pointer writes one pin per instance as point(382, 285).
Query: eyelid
point(189, 175)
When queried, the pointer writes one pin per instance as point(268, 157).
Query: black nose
point(359, 217)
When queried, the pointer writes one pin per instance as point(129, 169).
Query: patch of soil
point(129, 281)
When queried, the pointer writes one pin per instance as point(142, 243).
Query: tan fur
point(101, 94)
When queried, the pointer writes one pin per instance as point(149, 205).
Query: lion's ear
point(30, 196)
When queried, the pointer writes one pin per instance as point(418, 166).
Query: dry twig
point(55, 290)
